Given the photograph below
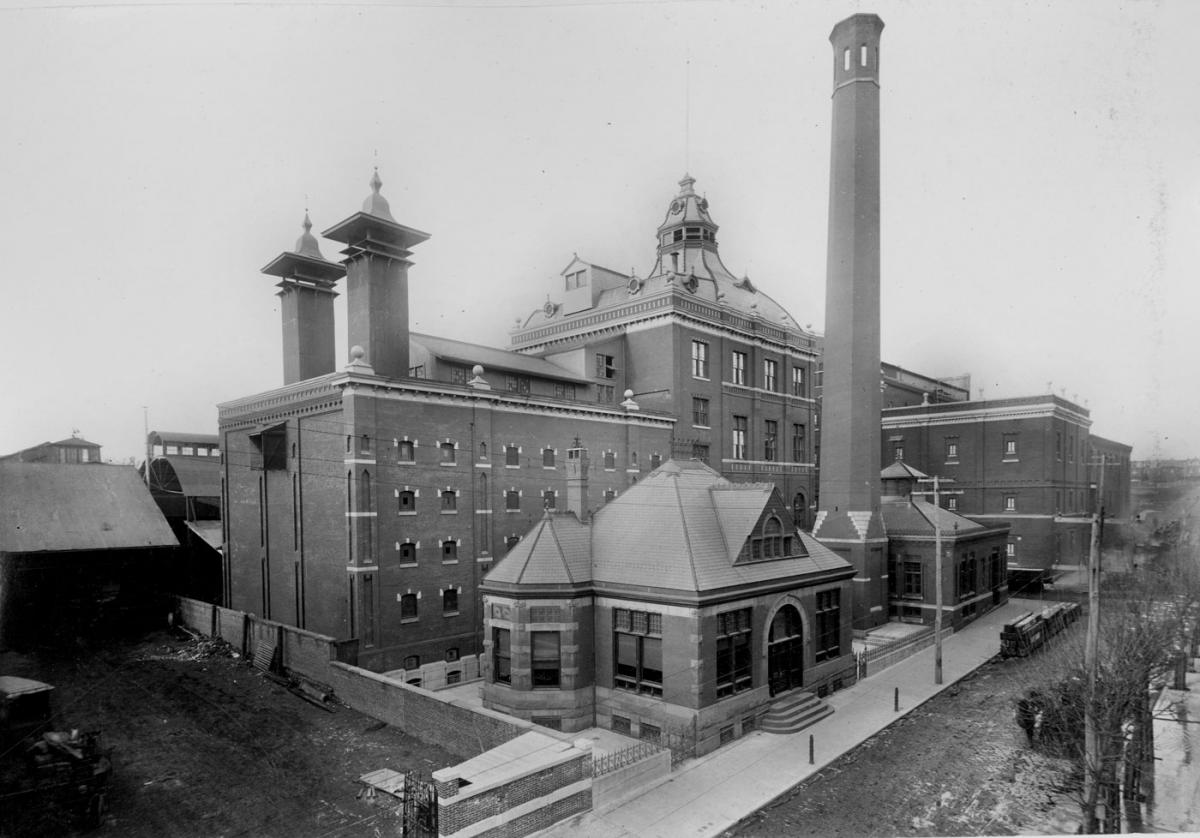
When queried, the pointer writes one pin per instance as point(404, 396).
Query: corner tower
point(848, 519)
point(377, 282)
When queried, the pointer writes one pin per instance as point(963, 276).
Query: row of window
point(410, 605)
point(770, 438)
point(1008, 448)
point(406, 500)
point(638, 655)
point(187, 450)
point(912, 571)
point(739, 371)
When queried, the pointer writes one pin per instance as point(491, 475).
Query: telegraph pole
point(1090, 740)
point(146, 436)
point(937, 565)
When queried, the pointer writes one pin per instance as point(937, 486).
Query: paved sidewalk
point(1173, 796)
point(712, 793)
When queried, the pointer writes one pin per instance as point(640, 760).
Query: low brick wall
point(518, 807)
point(461, 729)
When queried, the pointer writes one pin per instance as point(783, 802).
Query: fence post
point(896, 701)
point(811, 751)
point(213, 631)
point(245, 634)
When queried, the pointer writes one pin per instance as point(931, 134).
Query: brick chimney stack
point(306, 302)
point(848, 519)
point(577, 480)
point(377, 282)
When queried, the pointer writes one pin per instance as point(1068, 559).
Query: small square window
point(449, 501)
point(405, 451)
point(449, 551)
point(448, 452)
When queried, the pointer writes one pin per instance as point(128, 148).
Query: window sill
point(444, 464)
point(449, 512)
point(409, 620)
point(406, 462)
point(449, 613)
point(449, 561)
point(408, 564)
point(699, 378)
point(408, 514)
point(512, 511)
point(702, 427)
point(1010, 460)
point(506, 465)
point(549, 468)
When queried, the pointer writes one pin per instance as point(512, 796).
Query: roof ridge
point(687, 538)
point(562, 557)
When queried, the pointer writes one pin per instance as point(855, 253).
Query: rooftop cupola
point(687, 224)
point(376, 204)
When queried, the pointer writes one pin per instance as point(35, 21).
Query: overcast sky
point(1041, 184)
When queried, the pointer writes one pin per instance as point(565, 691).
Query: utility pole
point(937, 567)
point(146, 436)
point(1091, 744)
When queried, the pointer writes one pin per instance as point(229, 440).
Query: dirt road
point(957, 765)
point(204, 745)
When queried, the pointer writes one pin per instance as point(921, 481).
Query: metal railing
point(607, 763)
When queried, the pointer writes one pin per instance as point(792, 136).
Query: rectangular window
point(898, 452)
point(408, 607)
point(770, 440)
point(577, 280)
point(966, 576)
point(735, 668)
point(546, 664)
point(448, 454)
point(739, 437)
point(1058, 445)
point(406, 501)
point(700, 412)
point(1010, 503)
point(606, 393)
point(408, 553)
point(512, 500)
point(952, 504)
point(638, 649)
point(610, 495)
point(406, 451)
point(1010, 550)
point(951, 449)
point(548, 457)
point(1010, 446)
point(769, 375)
point(605, 366)
point(797, 443)
point(610, 460)
point(549, 501)
point(699, 359)
point(1071, 449)
point(564, 391)
point(512, 455)
point(459, 375)
point(738, 368)
point(449, 501)
point(450, 601)
point(501, 656)
point(829, 618)
point(797, 381)
point(912, 578)
point(449, 551)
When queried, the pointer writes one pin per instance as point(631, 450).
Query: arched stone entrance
point(785, 651)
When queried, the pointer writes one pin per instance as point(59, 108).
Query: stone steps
point(794, 712)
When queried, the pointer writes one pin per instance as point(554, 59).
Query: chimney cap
point(376, 204)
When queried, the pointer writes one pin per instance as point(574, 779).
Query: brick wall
point(460, 809)
point(461, 729)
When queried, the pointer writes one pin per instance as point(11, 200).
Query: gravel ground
point(957, 765)
point(203, 744)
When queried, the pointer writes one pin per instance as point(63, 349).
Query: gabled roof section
point(53, 507)
point(557, 551)
point(680, 530)
point(900, 470)
point(491, 359)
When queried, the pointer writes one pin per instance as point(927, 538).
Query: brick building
point(682, 608)
point(973, 578)
point(1028, 462)
point(70, 451)
point(368, 503)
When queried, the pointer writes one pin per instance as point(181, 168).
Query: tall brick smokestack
point(848, 519)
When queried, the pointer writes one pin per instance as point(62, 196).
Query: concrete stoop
point(794, 712)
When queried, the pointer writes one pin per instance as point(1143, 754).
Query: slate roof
point(555, 552)
point(679, 530)
point(48, 507)
point(916, 516)
point(493, 359)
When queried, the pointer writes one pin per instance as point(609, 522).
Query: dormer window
point(577, 280)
